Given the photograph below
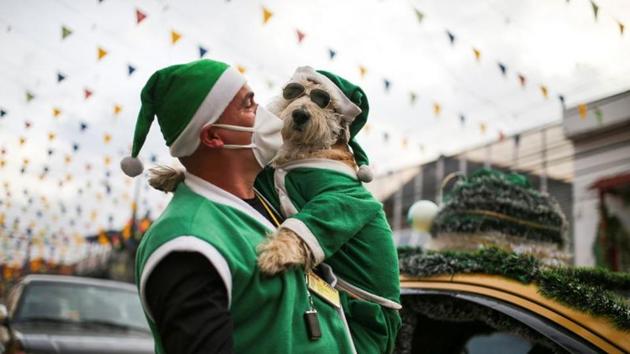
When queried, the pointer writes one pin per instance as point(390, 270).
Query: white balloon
point(421, 215)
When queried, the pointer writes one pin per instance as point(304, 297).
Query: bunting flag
point(68, 159)
point(241, 69)
point(544, 91)
point(362, 71)
point(595, 9)
point(60, 77)
point(22, 140)
point(83, 126)
point(107, 138)
point(266, 15)
point(331, 53)
point(56, 112)
point(3, 113)
point(522, 80)
point(582, 110)
point(300, 36)
point(419, 15)
point(117, 109)
point(29, 96)
point(51, 136)
point(462, 119)
point(477, 54)
point(140, 16)
point(413, 97)
point(202, 51)
point(130, 69)
point(503, 69)
point(387, 84)
point(101, 53)
point(561, 98)
point(599, 115)
point(87, 93)
point(437, 108)
point(65, 32)
point(75, 147)
point(175, 36)
point(451, 37)
point(621, 27)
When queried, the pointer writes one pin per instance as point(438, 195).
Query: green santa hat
point(185, 98)
point(350, 101)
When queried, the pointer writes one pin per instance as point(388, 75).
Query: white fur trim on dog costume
point(219, 97)
point(303, 232)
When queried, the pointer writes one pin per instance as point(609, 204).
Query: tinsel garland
point(493, 201)
point(594, 291)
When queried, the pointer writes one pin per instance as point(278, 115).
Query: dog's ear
point(344, 134)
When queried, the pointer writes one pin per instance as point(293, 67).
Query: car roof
point(593, 328)
point(67, 279)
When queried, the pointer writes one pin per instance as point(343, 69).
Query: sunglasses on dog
point(295, 90)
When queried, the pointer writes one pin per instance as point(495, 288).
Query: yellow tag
point(323, 289)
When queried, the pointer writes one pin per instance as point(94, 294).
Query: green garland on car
point(592, 290)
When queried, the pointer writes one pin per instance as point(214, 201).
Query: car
point(458, 303)
point(68, 314)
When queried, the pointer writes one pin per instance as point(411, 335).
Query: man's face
point(242, 112)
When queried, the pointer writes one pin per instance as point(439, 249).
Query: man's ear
point(210, 138)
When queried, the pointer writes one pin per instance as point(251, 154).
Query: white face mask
point(266, 137)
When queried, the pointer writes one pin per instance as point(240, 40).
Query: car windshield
point(81, 304)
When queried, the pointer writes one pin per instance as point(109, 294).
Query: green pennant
point(419, 15)
point(599, 115)
point(595, 9)
point(29, 96)
point(65, 32)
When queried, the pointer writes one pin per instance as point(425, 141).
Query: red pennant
point(87, 93)
point(140, 16)
point(300, 35)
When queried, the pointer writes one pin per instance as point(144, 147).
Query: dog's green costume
point(344, 226)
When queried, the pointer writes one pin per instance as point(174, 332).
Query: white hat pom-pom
point(365, 174)
point(131, 166)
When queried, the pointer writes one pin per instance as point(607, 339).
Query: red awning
point(609, 183)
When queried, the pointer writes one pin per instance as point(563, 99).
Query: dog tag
point(312, 325)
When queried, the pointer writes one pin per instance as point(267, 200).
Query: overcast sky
point(556, 43)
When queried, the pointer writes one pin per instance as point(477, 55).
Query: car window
point(80, 303)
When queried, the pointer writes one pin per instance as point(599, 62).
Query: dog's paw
point(280, 252)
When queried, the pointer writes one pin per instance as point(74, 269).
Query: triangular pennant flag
point(599, 115)
point(117, 109)
point(300, 36)
point(83, 126)
point(451, 37)
point(266, 15)
point(419, 15)
point(582, 110)
point(202, 51)
point(362, 71)
point(175, 36)
point(387, 84)
point(332, 53)
point(22, 140)
point(75, 147)
point(437, 108)
point(477, 54)
point(241, 69)
point(462, 119)
point(561, 98)
point(29, 96)
point(60, 77)
point(51, 136)
point(503, 68)
point(413, 97)
point(107, 138)
point(50, 152)
point(544, 91)
point(3, 113)
point(68, 158)
point(522, 79)
point(56, 112)
point(595, 9)
point(140, 16)
point(65, 32)
point(621, 27)
point(130, 70)
point(87, 93)
point(101, 53)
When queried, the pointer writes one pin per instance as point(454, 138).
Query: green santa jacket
point(267, 311)
point(345, 226)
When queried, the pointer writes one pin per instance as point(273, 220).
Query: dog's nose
point(300, 116)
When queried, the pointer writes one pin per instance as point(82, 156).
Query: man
point(196, 265)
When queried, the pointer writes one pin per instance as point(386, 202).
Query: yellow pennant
point(56, 112)
point(437, 109)
point(2, 163)
point(22, 140)
point(477, 54)
point(241, 69)
point(621, 27)
point(266, 15)
point(68, 158)
point(51, 136)
point(101, 53)
point(544, 91)
point(582, 110)
point(108, 160)
point(175, 37)
point(107, 138)
point(117, 109)
point(362, 71)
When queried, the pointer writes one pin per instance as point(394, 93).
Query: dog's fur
point(324, 135)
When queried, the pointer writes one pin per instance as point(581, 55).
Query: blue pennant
point(202, 51)
point(451, 37)
point(332, 53)
point(130, 70)
point(60, 77)
point(503, 68)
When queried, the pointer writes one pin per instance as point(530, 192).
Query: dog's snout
point(300, 116)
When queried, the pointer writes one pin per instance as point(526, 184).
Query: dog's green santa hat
point(185, 98)
point(352, 102)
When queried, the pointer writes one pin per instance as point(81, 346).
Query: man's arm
point(189, 304)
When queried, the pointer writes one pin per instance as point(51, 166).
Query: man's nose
point(300, 116)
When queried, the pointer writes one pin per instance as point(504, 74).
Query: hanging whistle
point(312, 325)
